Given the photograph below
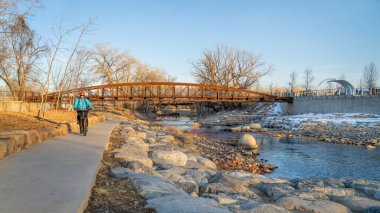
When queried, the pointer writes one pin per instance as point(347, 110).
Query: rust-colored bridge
point(170, 92)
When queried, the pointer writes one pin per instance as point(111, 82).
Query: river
point(298, 157)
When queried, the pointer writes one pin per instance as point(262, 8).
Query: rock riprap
point(178, 180)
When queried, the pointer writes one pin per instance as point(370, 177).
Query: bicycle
point(83, 121)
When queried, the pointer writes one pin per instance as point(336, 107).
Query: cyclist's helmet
point(81, 92)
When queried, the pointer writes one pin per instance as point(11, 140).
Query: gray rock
point(128, 157)
point(312, 195)
point(296, 204)
point(327, 190)
point(172, 170)
point(221, 198)
point(189, 187)
point(355, 203)
point(277, 191)
point(121, 172)
point(185, 203)
point(265, 208)
point(151, 186)
point(169, 157)
point(199, 176)
point(236, 184)
point(369, 188)
point(191, 157)
point(215, 188)
point(138, 167)
point(173, 177)
point(247, 178)
point(251, 206)
point(136, 148)
point(193, 165)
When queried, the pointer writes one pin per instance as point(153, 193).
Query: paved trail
point(55, 176)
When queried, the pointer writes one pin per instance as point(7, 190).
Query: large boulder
point(230, 182)
point(199, 176)
point(236, 129)
point(277, 190)
point(167, 138)
point(128, 157)
point(247, 141)
point(189, 187)
point(134, 139)
point(206, 163)
point(153, 187)
point(137, 148)
point(327, 190)
point(255, 126)
point(355, 203)
point(185, 203)
point(221, 198)
point(245, 128)
point(296, 204)
point(169, 157)
point(138, 167)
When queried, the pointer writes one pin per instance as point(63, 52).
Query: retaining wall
point(334, 104)
point(19, 106)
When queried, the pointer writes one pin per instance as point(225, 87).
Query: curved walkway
point(55, 176)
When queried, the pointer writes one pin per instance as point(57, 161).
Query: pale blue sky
point(329, 36)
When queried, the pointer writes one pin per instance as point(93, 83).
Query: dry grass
point(52, 118)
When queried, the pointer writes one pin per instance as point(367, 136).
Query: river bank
point(166, 169)
point(355, 129)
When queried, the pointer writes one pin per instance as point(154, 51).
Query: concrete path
point(55, 176)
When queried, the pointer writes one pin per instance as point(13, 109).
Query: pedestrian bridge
point(166, 92)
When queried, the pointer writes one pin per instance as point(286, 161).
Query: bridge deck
point(166, 92)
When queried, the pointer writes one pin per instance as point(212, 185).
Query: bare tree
point(271, 88)
point(230, 67)
point(18, 56)
point(112, 65)
point(62, 76)
point(292, 82)
point(9, 10)
point(370, 75)
point(308, 79)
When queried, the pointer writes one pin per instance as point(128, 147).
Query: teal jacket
point(82, 104)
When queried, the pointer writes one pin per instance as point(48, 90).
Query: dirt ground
point(23, 121)
point(112, 195)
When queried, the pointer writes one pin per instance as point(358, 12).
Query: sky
point(331, 37)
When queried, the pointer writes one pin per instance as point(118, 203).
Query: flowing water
point(298, 157)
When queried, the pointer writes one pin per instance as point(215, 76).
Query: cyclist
point(82, 104)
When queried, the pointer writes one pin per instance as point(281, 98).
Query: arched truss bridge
point(169, 92)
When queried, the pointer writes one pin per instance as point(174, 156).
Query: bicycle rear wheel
point(85, 124)
point(81, 122)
